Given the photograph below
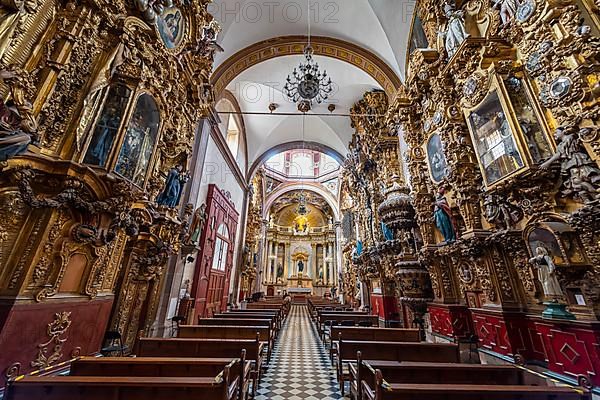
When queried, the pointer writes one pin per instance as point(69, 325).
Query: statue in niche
point(442, 215)
point(580, 174)
point(279, 271)
point(455, 32)
point(321, 273)
point(388, 235)
point(172, 192)
point(546, 271)
point(500, 212)
point(198, 223)
point(300, 266)
point(508, 9)
point(11, 17)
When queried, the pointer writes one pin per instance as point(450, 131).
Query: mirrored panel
point(107, 126)
point(536, 139)
point(138, 144)
point(494, 139)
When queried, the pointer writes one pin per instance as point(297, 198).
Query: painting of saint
point(171, 27)
point(438, 166)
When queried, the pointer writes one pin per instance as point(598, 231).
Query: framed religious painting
point(139, 142)
point(495, 135)
point(436, 159)
point(171, 26)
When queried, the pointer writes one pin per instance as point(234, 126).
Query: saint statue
point(279, 270)
point(546, 271)
point(580, 174)
point(455, 29)
point(300, 266)
point(508, 9)
point(197, 224)
point(15, 131)
point(387, 232)
point(443, 217)
point(172, 191)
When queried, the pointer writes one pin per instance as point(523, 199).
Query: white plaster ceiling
point(260, 85)
point(380, 26)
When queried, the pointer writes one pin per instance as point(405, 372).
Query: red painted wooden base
point(25, 327)
point(451, 320)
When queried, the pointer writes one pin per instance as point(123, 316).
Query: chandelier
point(307, 83)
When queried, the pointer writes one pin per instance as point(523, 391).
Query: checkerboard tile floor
point(300, 366)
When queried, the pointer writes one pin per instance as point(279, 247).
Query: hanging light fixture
point(307, 84)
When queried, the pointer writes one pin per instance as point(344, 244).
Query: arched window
point(107, 126)
point(140, 139)
point(233, 136)
point(221, 248)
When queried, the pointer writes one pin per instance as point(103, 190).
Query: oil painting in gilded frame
point(436, 159)
point(171, 27)
point(495, 136)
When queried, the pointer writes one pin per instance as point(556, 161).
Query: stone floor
point(300, 366)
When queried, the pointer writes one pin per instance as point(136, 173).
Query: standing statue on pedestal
point(442, 215)
point(300, 266)
point(580, 174)
point(546, 271)
point(455, 32)
point(172, 191)
point(197, 225)
point(279, 271)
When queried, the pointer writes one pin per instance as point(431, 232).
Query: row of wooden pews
point(385, 363)
point(219, 358)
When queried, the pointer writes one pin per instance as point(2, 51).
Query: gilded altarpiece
point(108, 99)
point(508, 94)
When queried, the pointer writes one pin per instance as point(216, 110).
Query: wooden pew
point(273, 314)
point(225, 386)
point(263, 333)
point(411, 391)
point(392, 351)
point(164, 367)
point(204, 348)
point(247, 315)
point(450, 381)
point(279, 314)
point(362, 374)
point(371, 335)
point(240, 322)
point(338, 317)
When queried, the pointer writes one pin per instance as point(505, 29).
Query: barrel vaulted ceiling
point(380, 27)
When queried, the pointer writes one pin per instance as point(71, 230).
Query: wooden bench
point(411, 391)
point(279, 314)
point(224, 386)
point(263, 333)
point(240, 322)
point(362, 374)
point(164, 367)
point(204, 348)
point(354, 317)
point(247, 315)
point(392, 351)
point(371, 335)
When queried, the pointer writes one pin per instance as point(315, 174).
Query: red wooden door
point(215, 261)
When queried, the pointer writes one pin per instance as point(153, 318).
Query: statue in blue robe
point(359, 248)
point(387, 232)
point(172, 192)
point(442, 215)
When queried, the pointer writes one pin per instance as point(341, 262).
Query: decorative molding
point(294, 45)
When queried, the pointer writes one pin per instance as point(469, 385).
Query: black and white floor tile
point(300, 366)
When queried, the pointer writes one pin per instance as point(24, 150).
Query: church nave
point(300, 367)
